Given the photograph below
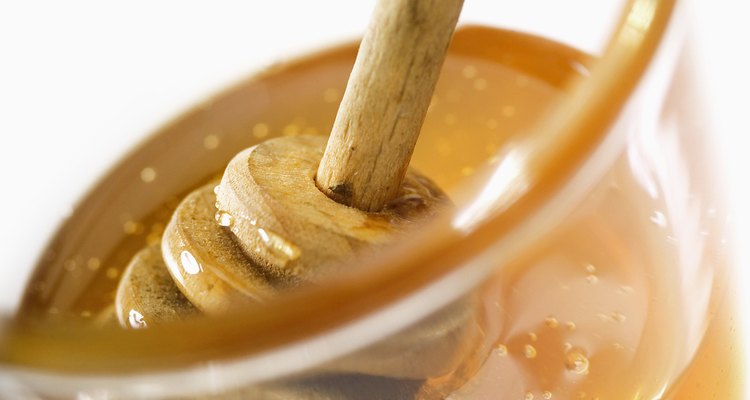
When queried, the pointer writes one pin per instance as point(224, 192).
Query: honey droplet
point(576, 361)
point(590, 269)
point(529, 351)
point(570, 325)
point(189, 264)
point(135, 319)
point(592, 279)
point(279, 246)
point(551, 322)
point(529, 396)
point(501, 350)
point(547, 395)
point(533, 337)
point(224, 218)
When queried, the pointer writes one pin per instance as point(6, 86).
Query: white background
point(82, 81)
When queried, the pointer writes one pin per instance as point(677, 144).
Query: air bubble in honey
point(659, 219)
point(260, 130)
point(291, 130)
point(132, 228)
point(625, 290)
point(509, 111)
point(148, 174)
point(469, 72)
point(112, 273)
point(576, 361)
point(93, 264)
point(70, 265)
point(211, 142)
point(529, 351)
point(618, 317)
point(480, 84)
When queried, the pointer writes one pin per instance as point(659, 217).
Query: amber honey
point(601, 308)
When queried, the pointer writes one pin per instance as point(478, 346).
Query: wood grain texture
point(291, 230)
point(146, 295)
point(266, 228)
point(386, 100)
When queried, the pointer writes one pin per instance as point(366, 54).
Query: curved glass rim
point(561, 144)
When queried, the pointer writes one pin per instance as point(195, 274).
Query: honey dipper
point(293, 210)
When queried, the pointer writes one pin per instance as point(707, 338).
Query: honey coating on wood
point(581, 317)
point(147, 285)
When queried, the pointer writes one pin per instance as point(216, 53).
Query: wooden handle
point(386, 100)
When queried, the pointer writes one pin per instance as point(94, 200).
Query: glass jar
point(586, 257)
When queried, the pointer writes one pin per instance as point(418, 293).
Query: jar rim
point(565, 140)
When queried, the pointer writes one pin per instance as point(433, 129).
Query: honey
point(601, 308)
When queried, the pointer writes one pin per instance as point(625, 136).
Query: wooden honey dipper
point(292, 210)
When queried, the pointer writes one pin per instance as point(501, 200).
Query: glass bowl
point(586, 257)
